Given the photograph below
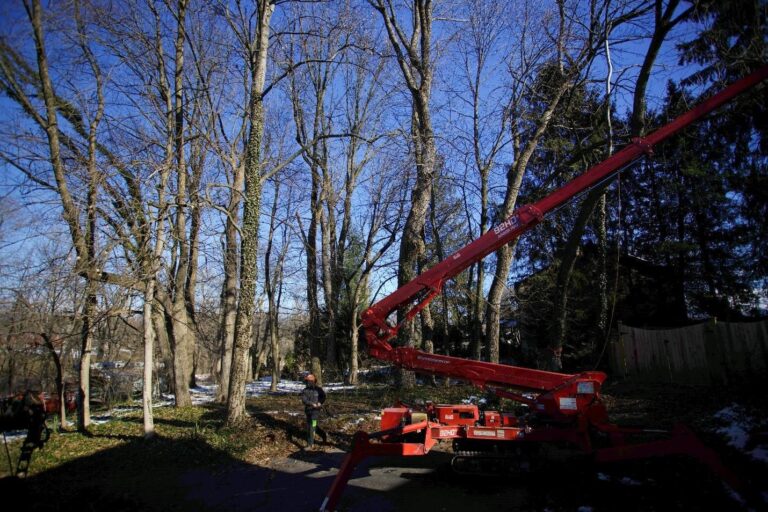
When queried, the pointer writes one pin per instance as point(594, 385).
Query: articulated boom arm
point(428, 285)
point(562, 409)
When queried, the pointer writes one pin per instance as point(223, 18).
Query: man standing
point(312, 396)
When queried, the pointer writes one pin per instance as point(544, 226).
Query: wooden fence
point(708, 353)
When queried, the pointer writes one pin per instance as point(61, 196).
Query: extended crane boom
point(429, 284)
point(563, 408)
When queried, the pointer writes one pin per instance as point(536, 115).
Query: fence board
point(707, 353)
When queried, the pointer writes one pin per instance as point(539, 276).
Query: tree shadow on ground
point(139, 474)
point(189, 474)
point(164, 474)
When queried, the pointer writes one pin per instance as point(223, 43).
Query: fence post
point(716, 360)
point(617, 349)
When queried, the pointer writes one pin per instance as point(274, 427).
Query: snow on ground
point(739, 427)
point(202, 394)
point(14, 435)
point(624, 480)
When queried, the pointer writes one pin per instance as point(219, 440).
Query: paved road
point(300, 482)
point(427, 484)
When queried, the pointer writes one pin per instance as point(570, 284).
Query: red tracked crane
point(563, 408)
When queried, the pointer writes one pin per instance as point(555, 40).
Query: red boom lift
point(561, 408)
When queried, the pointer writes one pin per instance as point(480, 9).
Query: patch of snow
point(738, 428)
point(12, 436)
point(124, 409)
point(474, 400)
point(760, 453)
point(201, 394)
point(625, 480)
point(629, 481)
point(101, 419)
point(374, 369)
point(166, 401)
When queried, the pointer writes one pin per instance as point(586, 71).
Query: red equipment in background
point(557, 408)
point(25, 411)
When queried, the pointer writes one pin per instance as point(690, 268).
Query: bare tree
point(358, 249)
point(484, 134)
point(83, 237)
point(665, 18)
point(310, 132)
point(576, 40)
point(255, 41)
point(273, 277)
point(414, 57)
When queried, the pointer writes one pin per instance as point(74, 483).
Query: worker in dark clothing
point(313, 397)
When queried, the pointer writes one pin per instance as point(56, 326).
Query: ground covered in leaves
point(113, 467)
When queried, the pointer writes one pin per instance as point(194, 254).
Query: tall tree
point(83, 237)
point(274, 265)
point(316, 45)
point(414, 56)
point(579, 37)
point(487, 134)
point(665, 19)
point(255, 41)
point(181, 322)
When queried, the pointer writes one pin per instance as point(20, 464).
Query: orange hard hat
point(310, 377)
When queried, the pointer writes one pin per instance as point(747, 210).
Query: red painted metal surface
point(428, 285)
point(564, 408)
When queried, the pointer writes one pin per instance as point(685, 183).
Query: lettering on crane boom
point(507, 225)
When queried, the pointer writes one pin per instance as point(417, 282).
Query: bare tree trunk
point(229, 292)
point(354, 351)
point(149, 316)
point(270, 285)
point(81, 241)
point(327, 237)
point(149, 360)
point(229, 295)
point(60, 391)
point(261, 348)
point(415, 61)
point(504, 255)
point(161, 339)
point(493, 303)
point(315, 340)
point(250, 227)
point(89, 310)
point(183, 343)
